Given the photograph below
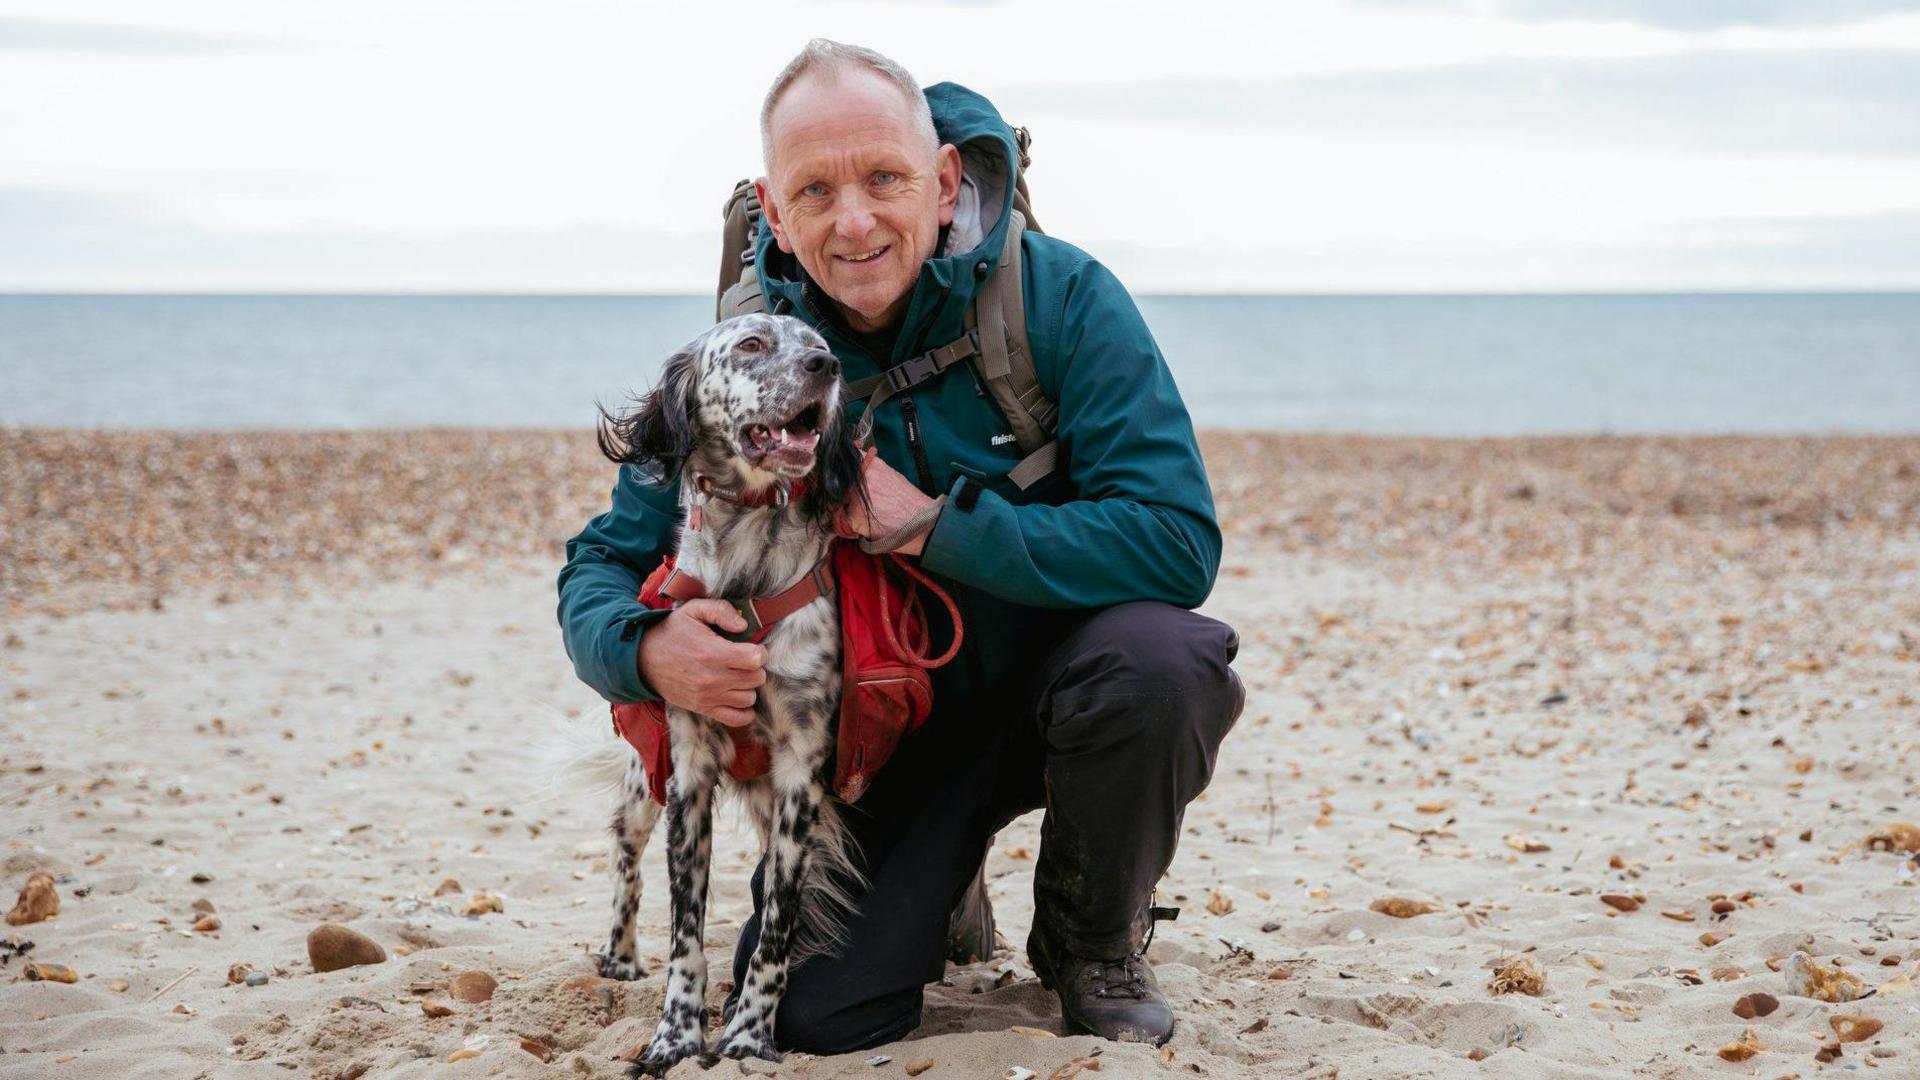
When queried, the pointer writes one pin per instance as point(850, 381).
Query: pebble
point(331, 947)
point(61, 973)
point(878, 1060)
point(206, 924)
point(38, 900)
point(484, 903)
point(471, 987)
point(201, 877)
point(436, 1009)
point(915, 1068)
point(256, 978)
point(203, 905)
point(449, 887)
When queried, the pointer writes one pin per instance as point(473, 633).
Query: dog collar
point(779, 493)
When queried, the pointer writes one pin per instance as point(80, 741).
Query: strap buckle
point(912, 372)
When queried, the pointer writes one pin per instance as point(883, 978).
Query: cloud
point(87, 241)
point(50, 36)
point(1680, 14)
point(1851, 101)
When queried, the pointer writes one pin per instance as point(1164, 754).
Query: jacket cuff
point(620, 651)
point(959, 534)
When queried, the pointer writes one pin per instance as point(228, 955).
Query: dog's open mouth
point(788, 443)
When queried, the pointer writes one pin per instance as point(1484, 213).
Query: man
point(1085, 685)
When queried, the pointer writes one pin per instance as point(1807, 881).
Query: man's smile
point(865, 256)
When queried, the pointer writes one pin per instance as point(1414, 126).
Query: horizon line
point(425, 293)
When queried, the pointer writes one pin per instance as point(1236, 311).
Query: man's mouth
point(865, 256)
point(789, 442)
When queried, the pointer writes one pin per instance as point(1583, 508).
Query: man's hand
point(689, 665)
point(891, 501)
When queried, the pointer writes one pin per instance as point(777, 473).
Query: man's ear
point(771, 212)
point(947, 162)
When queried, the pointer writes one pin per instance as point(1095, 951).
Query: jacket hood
point(946, 285)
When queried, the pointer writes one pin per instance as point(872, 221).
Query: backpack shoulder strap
point(739, 289)
point(1005, 363)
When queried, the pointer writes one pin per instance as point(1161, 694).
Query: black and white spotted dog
point(747, 412)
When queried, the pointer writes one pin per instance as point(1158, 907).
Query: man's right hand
point(691, 666)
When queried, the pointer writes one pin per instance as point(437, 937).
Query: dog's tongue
point(798, 440)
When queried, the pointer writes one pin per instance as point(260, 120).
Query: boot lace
point(1125, 977)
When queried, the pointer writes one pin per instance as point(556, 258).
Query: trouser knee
point(1133, 667)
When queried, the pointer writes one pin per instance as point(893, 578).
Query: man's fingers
point(716, 613)
point(745, 656)
point(733, 717)
point(736, 699)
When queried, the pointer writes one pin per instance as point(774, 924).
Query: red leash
point(909, 604)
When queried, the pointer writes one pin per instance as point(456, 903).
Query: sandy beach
point(1619, 716)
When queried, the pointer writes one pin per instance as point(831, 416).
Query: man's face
point(855, 194)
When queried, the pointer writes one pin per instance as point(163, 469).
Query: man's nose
point(856, 217)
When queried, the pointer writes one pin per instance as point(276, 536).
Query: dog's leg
point(797, 797)
point(633, 820)
point(696, 769)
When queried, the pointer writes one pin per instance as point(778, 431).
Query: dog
point(748, 418)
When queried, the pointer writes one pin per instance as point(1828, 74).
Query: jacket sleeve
point(601, 620)
point(1142, 525)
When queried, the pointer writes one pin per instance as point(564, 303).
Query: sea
point(1407, 364)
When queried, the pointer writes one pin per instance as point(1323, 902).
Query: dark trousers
point(1114, 733)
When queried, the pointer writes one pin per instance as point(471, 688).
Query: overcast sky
point(1314, 145)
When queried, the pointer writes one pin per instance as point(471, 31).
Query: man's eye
point(885, 177)
point(814, 190)
point(751, 344)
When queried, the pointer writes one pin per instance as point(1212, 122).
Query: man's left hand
point(891, 502)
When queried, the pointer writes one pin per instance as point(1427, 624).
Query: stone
point(471, 987)
point(38, 972)
point(256, 978)
point(331, 947)
point(436, 1009)
point(206, 924)
point(449, 887)
point(38, 900)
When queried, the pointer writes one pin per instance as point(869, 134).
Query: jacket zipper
point(910, 413)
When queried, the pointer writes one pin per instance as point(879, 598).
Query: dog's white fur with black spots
point(753, 402)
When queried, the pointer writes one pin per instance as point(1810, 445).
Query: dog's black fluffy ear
point(839, 468)
point(657, 434)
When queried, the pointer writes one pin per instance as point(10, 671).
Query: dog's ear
point(657, 434)
point(840, 459)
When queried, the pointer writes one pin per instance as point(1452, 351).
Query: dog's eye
point(751, 344)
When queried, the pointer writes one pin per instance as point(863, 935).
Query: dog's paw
point(753, 1042)
point(626, 969)
point(665, 1051)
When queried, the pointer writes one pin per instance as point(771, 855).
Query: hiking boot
point(1116, 999)
point(970, 937)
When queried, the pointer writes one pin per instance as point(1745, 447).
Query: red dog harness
point(884, 693)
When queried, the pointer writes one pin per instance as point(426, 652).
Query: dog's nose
point(821, 362)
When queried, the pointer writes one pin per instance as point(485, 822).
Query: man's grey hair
point(826, 56)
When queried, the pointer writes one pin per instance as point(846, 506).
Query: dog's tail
point(584, 754)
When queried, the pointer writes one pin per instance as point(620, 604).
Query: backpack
point(886, 693)
point(995, 342)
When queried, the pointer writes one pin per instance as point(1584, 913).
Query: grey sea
point(1449, 365)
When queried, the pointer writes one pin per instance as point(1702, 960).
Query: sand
point(307, 679)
